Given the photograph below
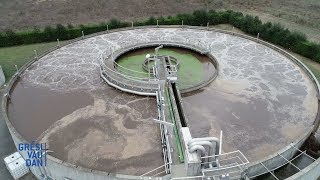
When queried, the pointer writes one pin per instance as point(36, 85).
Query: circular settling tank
point(260, 99)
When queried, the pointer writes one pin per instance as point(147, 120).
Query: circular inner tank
point(194, 68)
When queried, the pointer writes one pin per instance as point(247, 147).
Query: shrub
point(151, 21)
point(200, 18)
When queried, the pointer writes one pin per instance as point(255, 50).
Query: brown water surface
point(105, 130)
point(32, 110)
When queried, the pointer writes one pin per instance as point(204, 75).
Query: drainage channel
point(176, 96)
point(174, 121)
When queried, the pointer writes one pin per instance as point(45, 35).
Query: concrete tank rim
point(123, 50)
point(280, 50)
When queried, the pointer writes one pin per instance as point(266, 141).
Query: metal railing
point(155, 172)
point(144, 76)
point(230, 157)
point(126, 82)
point(108, 65)
point(189, 178)
point(285, 162)
point(166, 147)
point(232, 164)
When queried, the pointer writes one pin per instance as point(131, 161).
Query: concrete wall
point(308, 173)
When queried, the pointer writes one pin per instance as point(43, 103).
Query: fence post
point(58, 43)
point(258, 35)
point(207, 25)
point(82, 34)
point(157, 23)
point(182, 24)
point(17, 69)
point(112, 53)
point(35, 53)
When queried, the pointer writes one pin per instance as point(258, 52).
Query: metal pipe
point(205, 143)
point(193, 142)
point(197, 147)
point(220, 145)
point(220, 149)
point(203, 139)
point(211, 139)
point(149, 68)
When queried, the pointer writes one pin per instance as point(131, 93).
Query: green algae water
point(194, 68)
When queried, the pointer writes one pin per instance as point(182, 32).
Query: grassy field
point(313, 66)
point(190, 71)
point(19, 55)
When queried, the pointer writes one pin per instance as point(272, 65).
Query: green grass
point(190, 71)
point(314, 70)
point(19, 55)
point(312, 65)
